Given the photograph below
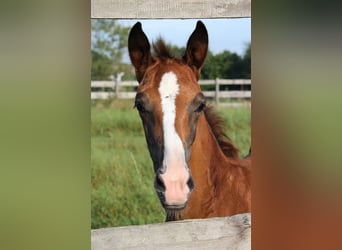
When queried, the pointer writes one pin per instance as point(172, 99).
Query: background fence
point(222, 91)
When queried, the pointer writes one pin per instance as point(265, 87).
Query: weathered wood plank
point(228, 94)
point(141, 9)
point(97, 84)
point(234, 81)
point(232, 232)
point(225, 81)
point(126, 95)
point(101, 95)
point(102, 84)
point(235, 94)
point(105, 95)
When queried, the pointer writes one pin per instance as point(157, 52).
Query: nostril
point(159, 184)
point(191, 183)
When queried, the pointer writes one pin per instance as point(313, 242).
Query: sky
point(224, 34)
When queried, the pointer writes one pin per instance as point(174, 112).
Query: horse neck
point(212, 171)
point(206, 155)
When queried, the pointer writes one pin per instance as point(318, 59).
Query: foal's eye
point(139, 107)
point(200, 107)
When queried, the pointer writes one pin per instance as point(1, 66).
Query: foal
point(198, 171)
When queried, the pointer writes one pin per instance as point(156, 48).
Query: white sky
point(224, 34)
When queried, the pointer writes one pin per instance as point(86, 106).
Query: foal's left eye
point(200, 107)
point(139, 107)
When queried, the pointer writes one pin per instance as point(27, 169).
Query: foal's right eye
point(139, 107)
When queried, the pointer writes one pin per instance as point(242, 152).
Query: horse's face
point(169, 101)
point(169, 107)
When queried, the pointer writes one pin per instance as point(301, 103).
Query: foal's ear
point(197, 48)
point(139, 50)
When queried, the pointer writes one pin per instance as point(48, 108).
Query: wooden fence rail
point(117, 89)
point(129, 9)
point(232, 232)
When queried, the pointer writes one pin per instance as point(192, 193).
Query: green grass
point(122, 174)
point(238, 127)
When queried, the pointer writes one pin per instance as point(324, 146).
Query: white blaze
point(175, 174)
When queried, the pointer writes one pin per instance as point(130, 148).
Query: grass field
point(122, 175)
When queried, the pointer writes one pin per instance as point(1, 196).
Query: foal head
point(170, 102)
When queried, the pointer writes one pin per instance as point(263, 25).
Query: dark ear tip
point(200, 25)
point(135, 31)
point(137, 26)
point(201, 28)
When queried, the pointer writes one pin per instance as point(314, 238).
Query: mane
point(217, 126)
point(161, 49)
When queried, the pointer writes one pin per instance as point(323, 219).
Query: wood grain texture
point(155, 9)
point(232, 232)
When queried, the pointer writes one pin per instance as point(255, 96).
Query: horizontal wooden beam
point(229, 94)
point(111, 84)
point(217, 233)
point(225, 82)
point(108, 84)
point(170, 9)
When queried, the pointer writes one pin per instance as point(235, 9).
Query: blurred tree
point(227, 65)
point(247, 62)
point(177, 51)
point(101, 67)
point(219, 65)
point(108, 46)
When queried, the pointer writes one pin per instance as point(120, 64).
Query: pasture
point(122, 175)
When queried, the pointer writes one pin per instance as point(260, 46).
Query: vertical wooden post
point(242, 90)
point(116, 87)
point(117, 83)
point(217, 92)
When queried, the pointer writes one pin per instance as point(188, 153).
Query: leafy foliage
point(101, 67)
point(108, 46)
point(227, 65)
